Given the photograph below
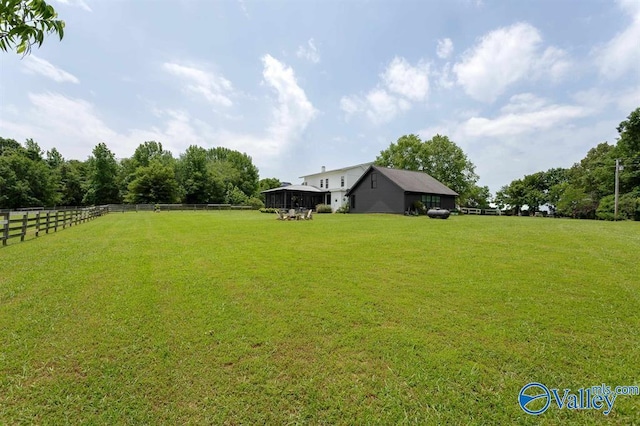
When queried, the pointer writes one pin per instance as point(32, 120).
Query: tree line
point(586, 190)
point(29, 177)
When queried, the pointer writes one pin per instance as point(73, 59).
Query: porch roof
point(296, 188)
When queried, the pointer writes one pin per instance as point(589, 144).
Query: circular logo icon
point(534, 398)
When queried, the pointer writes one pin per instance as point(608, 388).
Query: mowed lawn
point(237, 318)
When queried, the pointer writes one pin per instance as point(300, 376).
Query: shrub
point(343, 208)
point(255, 203)
point(323, 208)
point(628, 207)
point(267, 210)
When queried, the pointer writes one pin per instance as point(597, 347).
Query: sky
point(521, 86)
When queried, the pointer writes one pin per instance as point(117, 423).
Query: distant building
point(327, 187)
point(384, 190)
point(364, 188)
point(335, 183)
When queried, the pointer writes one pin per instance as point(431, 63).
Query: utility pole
point(615, 208)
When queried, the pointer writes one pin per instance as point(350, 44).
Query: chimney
point(323, 169)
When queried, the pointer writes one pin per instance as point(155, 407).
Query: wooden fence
point(172, 207)
point(469, 210)
point(17, 224)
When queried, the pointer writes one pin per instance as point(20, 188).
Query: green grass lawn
point(237, 318)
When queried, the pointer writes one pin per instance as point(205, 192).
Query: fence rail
point(172, 207)
point(17, 224)
point(469, 210)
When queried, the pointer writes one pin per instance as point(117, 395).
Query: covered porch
point(294, 197)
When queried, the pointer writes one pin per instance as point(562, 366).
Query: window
point(431, 201)
point(353, 202)
point(326, 183)
point(341, 181)
point(374, 180)
point(320, 183)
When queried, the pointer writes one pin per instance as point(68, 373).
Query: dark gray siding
point(386, 198)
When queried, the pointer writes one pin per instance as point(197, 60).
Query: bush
point(256, 203)
point(323, 208)
point(628, 207)
point(343, 209)
point(267, 210)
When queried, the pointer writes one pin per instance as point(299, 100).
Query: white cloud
point(79, 3)
point(400, 84)
point(294, 112)
point(445, 48)
point(383, 107)
point(402, 78)
point(629, 100)
point(243, 7)
point(443, 76)
point(309, 52)
point(75, 125)
point(214, 88)
point(621, 53)
point(504, 57)
point(525, 114)
point(351, 105)
point(35, 65)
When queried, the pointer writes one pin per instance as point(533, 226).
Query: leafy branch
point(24, 23)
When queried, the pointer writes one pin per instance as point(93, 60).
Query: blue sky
point(521, 86)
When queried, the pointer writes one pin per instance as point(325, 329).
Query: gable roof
point(361, 166)
point(410, 181)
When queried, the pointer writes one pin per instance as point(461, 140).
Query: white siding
point(351, 175)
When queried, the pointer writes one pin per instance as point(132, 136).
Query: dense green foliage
point(238, 318)
point(26, 179)
point(442, 159)
point(24, 23)
point(150, 175)
point(586, 190)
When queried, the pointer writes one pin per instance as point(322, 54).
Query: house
point(335, 183)
point(384, 190)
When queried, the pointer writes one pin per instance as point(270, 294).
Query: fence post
point(38, 224)
point(48, 216)
point(55, 228)
point(5, 228)
point(25, 217)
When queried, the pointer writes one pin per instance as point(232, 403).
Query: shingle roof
point(410, 181)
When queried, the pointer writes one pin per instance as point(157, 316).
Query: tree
point(103, 172)
point(23, 23)
point(628, 149)
point(439, 157)
point(193, 176)
point(576, 203)
point(235, 196)
point(265, 184)
point(245, 176)
point(144, 155)
point(26, 181)
point(478, 197)
point(155, 183)
point(8, 144)
point(54, 158)
point(206, 175)
point(512, 195)
point(73, 182)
